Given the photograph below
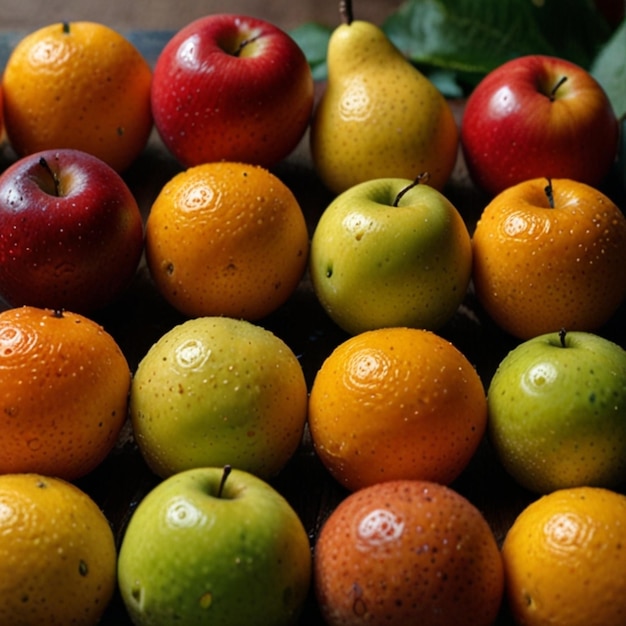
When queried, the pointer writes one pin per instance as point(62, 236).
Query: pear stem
point(556, 88)
point(345, 11)
point(225, 474)
point(55, 178)
point(421, 179)
point(562, 335)
point(549, 193)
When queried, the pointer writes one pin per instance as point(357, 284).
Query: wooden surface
point(141, 317)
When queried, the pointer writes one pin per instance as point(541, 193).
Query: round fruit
point(396, 403)
point(217, 391)
point(407, 552)
point(557, 412)
point(57, 553)
point(206, 547)
point(78, 85)
point(63, 392)
point(564, 559)
point(226, 239)
point(549, 255)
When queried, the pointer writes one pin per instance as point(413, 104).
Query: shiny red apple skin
point(512, 130)
point(211, 104)
point(77, 250)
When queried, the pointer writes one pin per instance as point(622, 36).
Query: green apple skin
point(375, 265)
point(557, 413)
point(215, 391)
point(191, 556)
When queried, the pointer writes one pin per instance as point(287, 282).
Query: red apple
point(231, 87)
point(71, 233)
point(538, 116)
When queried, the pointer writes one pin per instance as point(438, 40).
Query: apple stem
point(549, 193)
point(243, 44)
point(556, 87)
point(55, 179)
point(225, 474)
point(420, 180)
point(345, 11)
point(562, 334)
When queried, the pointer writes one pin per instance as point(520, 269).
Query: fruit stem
point(225, 474)
point(556, 87)
point(421, 179)
point(66, 27)
point(562, 334)
point(55, 178)
point(345, 11)
point(549, 193)
point(243, 44)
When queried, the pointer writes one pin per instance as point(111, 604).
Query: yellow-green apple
point(557, 412)
point(71, 233)
point(231, 87)
point(390, 252)
point(217, 391)
point(538, 116)
point(209, 547)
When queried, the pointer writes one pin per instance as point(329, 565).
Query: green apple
point(557, 412)
point(390, 252)
point(217, 391)
point(209, 547)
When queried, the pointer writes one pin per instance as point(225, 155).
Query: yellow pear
point(379, 116)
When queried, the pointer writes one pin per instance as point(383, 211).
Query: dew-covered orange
point(57, 553)
point(548, 257)
point(396, 403)
point(78, 85)
point(226, 238)
point(64, 385)
point(407, 552)
point(565, 559)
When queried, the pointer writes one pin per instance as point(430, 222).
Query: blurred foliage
point(456, 42)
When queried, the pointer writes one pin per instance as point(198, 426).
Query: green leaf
point(609, 69)
point(475, 37)
point(313, 40)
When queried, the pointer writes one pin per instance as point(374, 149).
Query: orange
point(228, 239)
point(407, 552)
point(64, 386)
point(396, 403)
point(78, 85)
point(565, 562)
point(539, 268)
point(57, 553)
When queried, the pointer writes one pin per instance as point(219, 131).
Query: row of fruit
point(395, 412)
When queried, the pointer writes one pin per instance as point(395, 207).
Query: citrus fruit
point(549, 255)
point(57, 553)
point(564, 559)
point(64, 386)
point(396, 403)
point(226, 239)
point(407, 552)
point(216, 391)
point(78, 85)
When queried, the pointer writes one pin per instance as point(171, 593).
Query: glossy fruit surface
point(538, 116)
point(57, 553)
point(540, 266)
point(63, 392)
point(407, 552)
point(197, 551)
point(106, 112)
point(217, 391)
point(396, 403)
point(226, 239)
point(564, 559)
